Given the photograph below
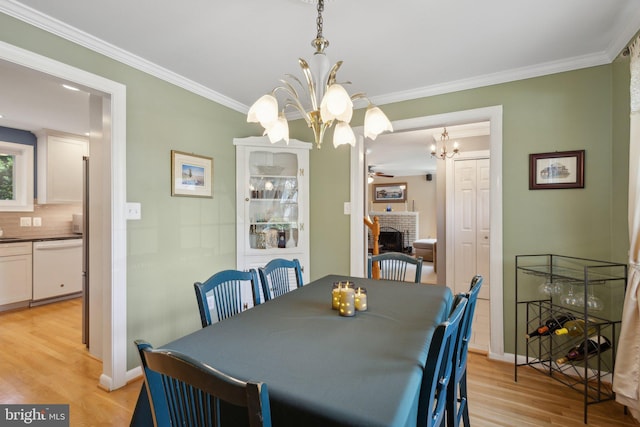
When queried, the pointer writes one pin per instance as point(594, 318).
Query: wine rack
point(550, 287)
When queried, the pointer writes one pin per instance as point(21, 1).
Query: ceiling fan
point(373, 173)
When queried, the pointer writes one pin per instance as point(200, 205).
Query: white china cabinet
point(272, 196)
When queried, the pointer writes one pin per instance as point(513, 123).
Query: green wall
point(585, 109)
point(182, 240)
point(179, 240)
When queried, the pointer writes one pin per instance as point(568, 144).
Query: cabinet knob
point(246, 199)
point(62, 285)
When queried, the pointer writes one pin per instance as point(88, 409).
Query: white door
point(471, 238)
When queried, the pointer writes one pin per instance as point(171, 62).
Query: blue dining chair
point(457, 404)
point(222, 294)
point(183, 391)
point(393, 266)
point(438, 369)
point(280, 276)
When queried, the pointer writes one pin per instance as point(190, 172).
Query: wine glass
point(593, 302)
point(546, 287)
point(569, 298)
point(549, 287)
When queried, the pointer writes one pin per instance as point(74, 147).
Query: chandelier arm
point(290, 89)
point(292, 100)
point(311, 86)
point(296, 105)
point(297, 80)
point(332, 74)
point(360, 95)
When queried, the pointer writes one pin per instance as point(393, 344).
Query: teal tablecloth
point(323, 369)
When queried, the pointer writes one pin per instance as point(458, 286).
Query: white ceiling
point(234, 51)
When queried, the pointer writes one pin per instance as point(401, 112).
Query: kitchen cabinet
point(553, 291)
point(60, 166)
point(57, 268)
point(15, 273)
point(272, 187)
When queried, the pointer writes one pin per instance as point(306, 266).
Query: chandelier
point(329, 102)
point(444, 154)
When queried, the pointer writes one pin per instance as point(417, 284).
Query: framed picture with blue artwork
point(390, 192)
point(191, 175)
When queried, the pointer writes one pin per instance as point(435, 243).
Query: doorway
point(113, 201)
point(468, 235)
point(358, 208)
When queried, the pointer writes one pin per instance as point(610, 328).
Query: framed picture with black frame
point(560, 169)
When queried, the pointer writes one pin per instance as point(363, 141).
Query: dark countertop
point(39, 238)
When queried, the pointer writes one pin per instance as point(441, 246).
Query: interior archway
point(358, 207)
point(114, 345)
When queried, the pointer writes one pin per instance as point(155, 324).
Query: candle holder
point(360, 299)
point(347, 300)
point(335, 295)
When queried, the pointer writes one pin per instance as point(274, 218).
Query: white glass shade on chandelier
point(329, 101)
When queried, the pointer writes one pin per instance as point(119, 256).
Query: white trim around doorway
point(492, 114)
point(114, 329)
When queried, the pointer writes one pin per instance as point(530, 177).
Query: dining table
point(323, 369)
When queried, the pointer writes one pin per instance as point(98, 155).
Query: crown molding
point(548, 68)
point(59, 28)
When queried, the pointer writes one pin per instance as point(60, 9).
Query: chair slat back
point(280, 276)
point(222, 294)
point(438, 369)
point(393, 266)
point(185, 392)
point(464, 335)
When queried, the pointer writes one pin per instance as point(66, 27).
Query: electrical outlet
point(25, 221)
point(37, 221)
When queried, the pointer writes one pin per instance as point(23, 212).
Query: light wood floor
point(42, 360)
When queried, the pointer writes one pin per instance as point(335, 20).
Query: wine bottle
point(550, 325)
point(588, 347)
point(575, 328)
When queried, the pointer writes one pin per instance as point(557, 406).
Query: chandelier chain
point(319, 18)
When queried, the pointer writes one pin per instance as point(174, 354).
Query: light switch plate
point(25, 221)
point(347, 208)
point(134, 211)
point(37, 221)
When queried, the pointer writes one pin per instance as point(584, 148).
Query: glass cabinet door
point(273, 200)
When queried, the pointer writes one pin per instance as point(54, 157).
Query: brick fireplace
point(396, 228)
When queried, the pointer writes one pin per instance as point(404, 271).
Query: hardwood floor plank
point(42, 360)
point(495, 399)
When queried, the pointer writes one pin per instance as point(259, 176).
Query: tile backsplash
point(56, 221)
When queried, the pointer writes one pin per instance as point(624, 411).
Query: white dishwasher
point(57, 268)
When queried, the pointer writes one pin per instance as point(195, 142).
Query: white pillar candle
point(361, 299)
point(347, 302)
point(335, 295)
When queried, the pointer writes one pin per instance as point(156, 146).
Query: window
point(16, 177)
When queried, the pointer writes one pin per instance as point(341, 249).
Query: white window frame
point(23, 175)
